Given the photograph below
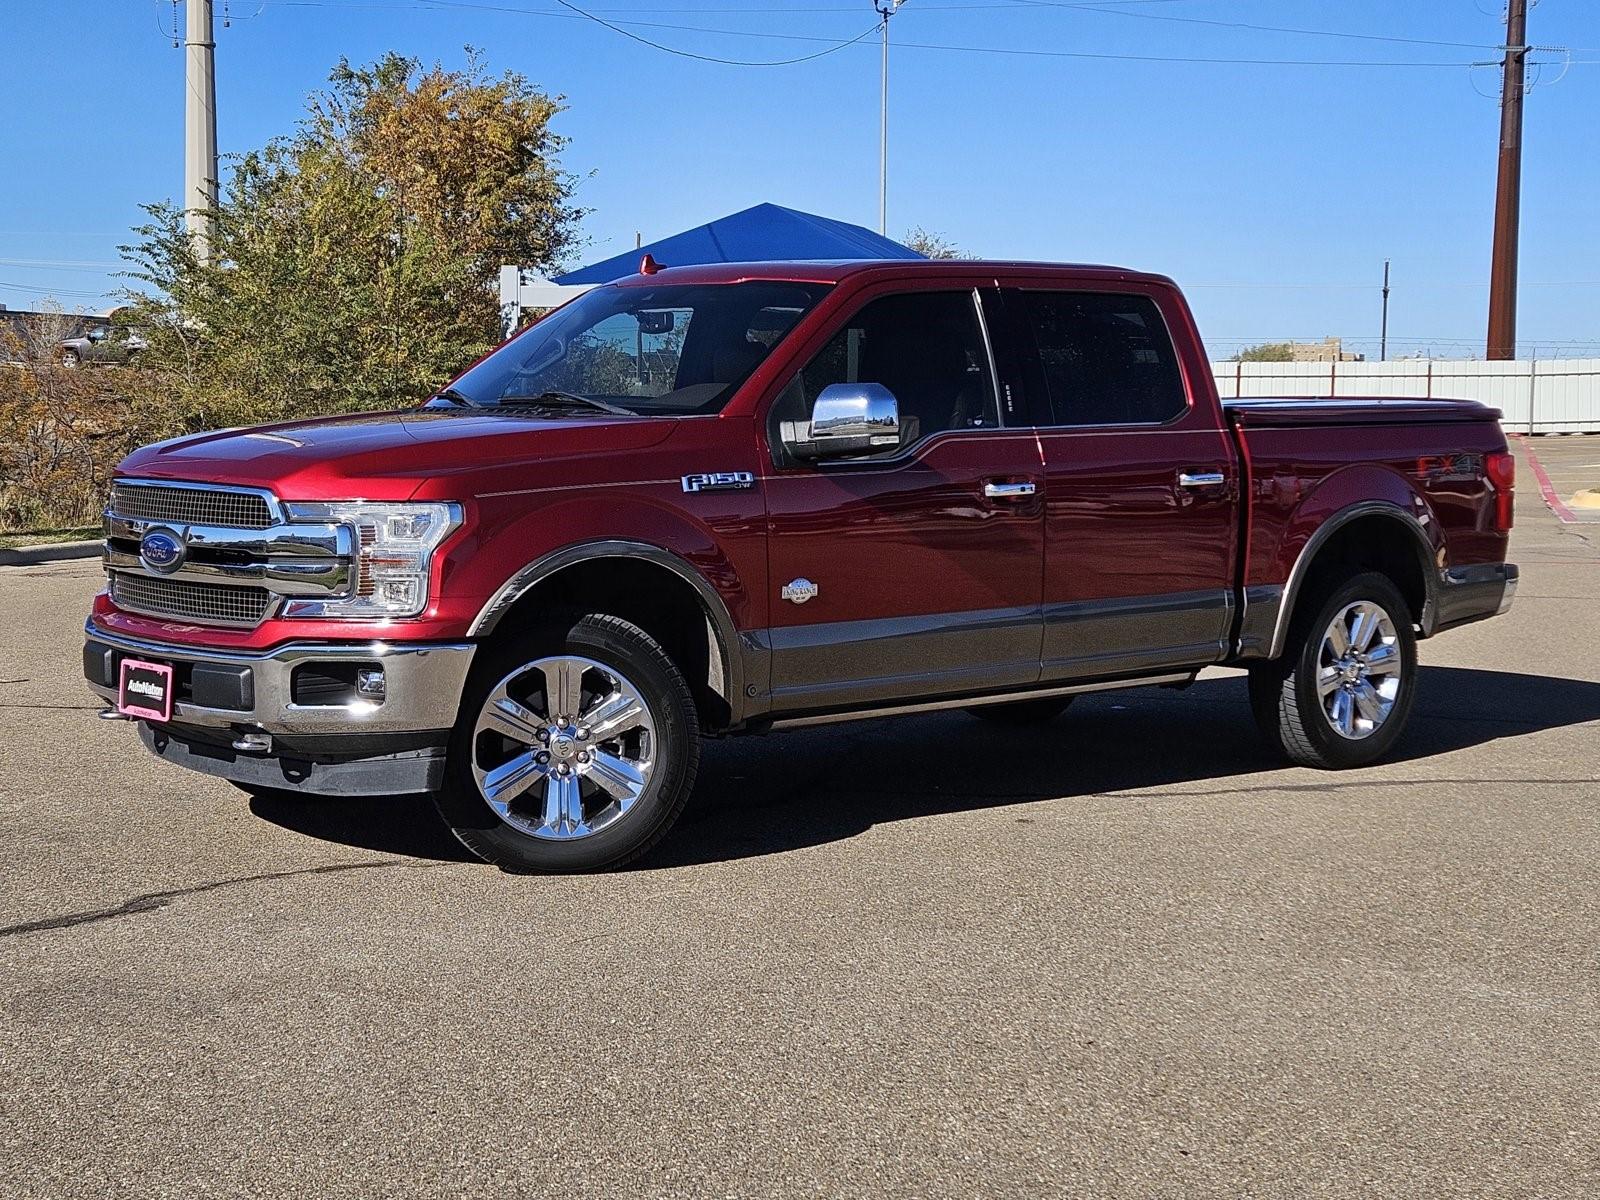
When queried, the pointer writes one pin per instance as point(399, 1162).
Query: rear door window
point(1106, 358)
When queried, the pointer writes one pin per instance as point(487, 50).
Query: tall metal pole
point(1502, 341)
point(199, 125)
point(1383, 344)
point(886, 9)
point(883, 125)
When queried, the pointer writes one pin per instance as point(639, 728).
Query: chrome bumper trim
point(1474, 592)
point(424, 683)
point(1507, 596)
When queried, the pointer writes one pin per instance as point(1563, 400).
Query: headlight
point(395, 544)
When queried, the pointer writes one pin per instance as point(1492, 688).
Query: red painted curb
point(1546, 489)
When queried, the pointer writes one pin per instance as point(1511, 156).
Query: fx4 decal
point(1444, 468)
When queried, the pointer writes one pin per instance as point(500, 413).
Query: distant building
point(1329, 349)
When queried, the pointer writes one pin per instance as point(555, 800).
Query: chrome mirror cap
point(856, 411)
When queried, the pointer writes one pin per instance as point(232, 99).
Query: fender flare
point(1308, 553)
point(726, 658)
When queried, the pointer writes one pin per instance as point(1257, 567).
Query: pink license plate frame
point(150, 696)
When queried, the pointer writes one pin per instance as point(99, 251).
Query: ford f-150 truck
point(717, 500)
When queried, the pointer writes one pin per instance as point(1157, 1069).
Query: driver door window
point(925, 347)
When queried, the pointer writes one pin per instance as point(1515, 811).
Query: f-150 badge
point(800, 590)
point(719, 481)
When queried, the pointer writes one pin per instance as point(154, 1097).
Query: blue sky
point(1272, 192)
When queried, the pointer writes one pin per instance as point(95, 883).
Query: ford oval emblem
point(162, 551)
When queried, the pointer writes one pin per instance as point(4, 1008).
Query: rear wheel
point(70, 358)
point(1023, 712)
point(575, 749)
point(1342, 691)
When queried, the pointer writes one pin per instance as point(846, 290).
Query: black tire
point(1284, 694)
point(675, 757)
point(1022, 712)
point(70, 359)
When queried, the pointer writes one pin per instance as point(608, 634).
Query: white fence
point(1553, 395)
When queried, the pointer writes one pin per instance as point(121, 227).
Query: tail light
point(1502, 472)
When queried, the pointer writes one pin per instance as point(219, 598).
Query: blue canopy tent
point(765, 233)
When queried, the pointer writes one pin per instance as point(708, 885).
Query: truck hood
point(388, 455)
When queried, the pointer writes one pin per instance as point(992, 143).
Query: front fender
point(722, 559)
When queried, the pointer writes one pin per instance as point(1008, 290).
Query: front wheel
point(575, 749)
point(1343, 690)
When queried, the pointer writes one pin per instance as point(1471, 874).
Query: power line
point(39, 291)
point(62, 264)
point(1100, 7)
point(618, 27)
point(833, 45)
point(786, 62)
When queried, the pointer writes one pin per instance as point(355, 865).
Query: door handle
point(1008, 491)
point(1201, 479)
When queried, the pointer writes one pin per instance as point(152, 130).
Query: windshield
point(678, 349)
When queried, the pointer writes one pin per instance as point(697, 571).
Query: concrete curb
point(30, 556)
point(1546, 488)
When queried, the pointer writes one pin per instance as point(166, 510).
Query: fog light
point(370, 684)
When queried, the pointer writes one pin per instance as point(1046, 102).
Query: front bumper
point(255, 717)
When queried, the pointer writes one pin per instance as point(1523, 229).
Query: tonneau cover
point(1355, 410)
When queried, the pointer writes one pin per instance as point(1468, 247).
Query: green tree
point(354, 261)
point(1265, 352)
point(930, 244)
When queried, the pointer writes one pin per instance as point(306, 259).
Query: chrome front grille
point(219, 604)
point(239, 552)
point(168, 505)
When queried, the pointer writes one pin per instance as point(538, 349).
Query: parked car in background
point(722, 500)
point(103, 343)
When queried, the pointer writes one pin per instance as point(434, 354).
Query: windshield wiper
point(555, 399)
point(454, 397)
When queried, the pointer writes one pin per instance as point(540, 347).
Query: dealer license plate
point(144, 689)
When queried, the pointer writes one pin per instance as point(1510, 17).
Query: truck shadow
point(768, 795)
point(807, 788)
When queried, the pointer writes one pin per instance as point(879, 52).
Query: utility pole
point(1508, 192)
point(1383, 344)
point(199, 125)
point(886, 9)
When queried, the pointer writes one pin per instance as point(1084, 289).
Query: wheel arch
point(683, 611)
point(1377, 534)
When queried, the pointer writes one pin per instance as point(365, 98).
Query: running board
point(1181, 679)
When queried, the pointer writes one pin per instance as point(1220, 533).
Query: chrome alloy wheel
point(563, 747)
point(1358, 670)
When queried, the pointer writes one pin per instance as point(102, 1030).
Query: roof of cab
point(833, 272)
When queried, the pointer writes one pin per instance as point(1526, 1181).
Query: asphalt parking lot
point(1568, 466)
point(1126, 955)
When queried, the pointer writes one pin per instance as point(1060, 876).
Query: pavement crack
point(153, 901)
point(59, 707)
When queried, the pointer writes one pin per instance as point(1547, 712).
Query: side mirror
point(850, 418)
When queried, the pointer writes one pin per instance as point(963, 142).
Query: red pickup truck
point(719, 500)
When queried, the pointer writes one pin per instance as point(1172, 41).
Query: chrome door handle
point(1008, 491)
point(1200, 479)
